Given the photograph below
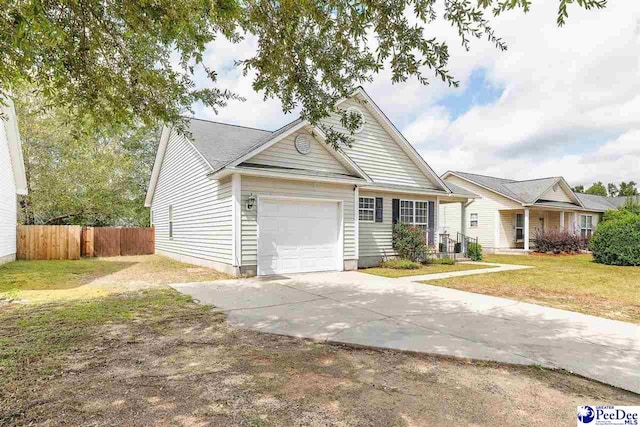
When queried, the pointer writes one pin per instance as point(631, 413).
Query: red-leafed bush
point(559, 242)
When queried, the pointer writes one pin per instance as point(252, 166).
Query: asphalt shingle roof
point(530, 192)
point(221, 143)
point(523, 191)
point(603, 203)
point(459, 190)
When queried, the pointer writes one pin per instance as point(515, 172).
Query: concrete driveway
point(358, 308)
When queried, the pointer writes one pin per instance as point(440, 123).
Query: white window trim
point(471, 220)
point(372, 209)
point(515, 226)
point(414, 222)
point(587, 227)
point(151, 217)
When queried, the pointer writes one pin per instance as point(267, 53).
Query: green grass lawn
point(573, 283)
point(425, 269)
point(55, 280)
point(59, 274)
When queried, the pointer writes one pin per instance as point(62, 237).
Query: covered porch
point(517, 228)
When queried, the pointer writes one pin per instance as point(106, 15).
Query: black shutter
point(395, 211)
point(378, 209)
point(432, 222)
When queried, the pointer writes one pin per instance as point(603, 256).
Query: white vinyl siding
point(8, 206)
point(557, 194)
point(378, 154)
point(486, 208)
point(285, 154)
point(201, 207)
point(450, 220)
point(376, 238)
point(289, 188)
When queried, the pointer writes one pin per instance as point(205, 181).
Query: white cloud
point(570, 104)
point(562, 86)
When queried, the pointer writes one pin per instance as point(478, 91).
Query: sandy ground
point(129, 273)
point(190, 369)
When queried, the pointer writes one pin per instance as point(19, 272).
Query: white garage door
point(296, 236)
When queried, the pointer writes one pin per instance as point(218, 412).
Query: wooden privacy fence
point(48, 242)
point(111, 241)
point(72, 241)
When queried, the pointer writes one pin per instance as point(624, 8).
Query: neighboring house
point(251, 201)
point(509, 212)
point(13, 180)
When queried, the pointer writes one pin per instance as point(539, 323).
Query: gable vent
point(303, 144)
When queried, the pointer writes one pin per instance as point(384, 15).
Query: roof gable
point(557, 193)
point(526, 192)
point(285, 154)
point(531, 190)
point(381, 150)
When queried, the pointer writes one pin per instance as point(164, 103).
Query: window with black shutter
point(379, 213)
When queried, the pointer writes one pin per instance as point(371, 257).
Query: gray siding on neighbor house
point(8, 206)
point(285, 154)
point(202, 219)
point(290, 188)
point(375, 151)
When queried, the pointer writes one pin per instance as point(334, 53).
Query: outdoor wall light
point(251, 201)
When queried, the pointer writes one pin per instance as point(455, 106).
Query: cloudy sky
point(561, 101)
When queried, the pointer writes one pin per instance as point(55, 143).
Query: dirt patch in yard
point(156, 361)
point(50, 281)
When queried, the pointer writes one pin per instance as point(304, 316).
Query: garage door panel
point(297, 236)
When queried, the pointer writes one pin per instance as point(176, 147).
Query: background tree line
point(79, 171)
point(624, 189)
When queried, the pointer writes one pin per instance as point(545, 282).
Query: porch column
point(526, 229)
point(562, 220)
point(436, 225)
point(463, 218)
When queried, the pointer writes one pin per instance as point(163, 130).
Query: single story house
point(253, 201)
point(509, 212)
point(13, 180)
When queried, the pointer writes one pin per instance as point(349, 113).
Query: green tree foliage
point(128, 62)
point(80, 173)
point(578, 189)
point(597, 189)
point(628, 189)
point(612, 189)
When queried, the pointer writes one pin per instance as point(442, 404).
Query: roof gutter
point(221, 174)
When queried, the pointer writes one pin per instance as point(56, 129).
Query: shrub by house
point(559, 242)
point(616, 241)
